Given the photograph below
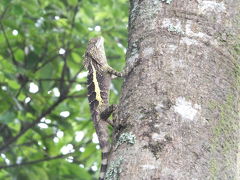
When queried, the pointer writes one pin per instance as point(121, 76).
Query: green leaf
point(76, 57)
point(7, 117)
point(72, 2)
point(13, 84)
point(6, 2)
point(31, 60)
point(18, 10)
point(19, 55)
point(30, 6)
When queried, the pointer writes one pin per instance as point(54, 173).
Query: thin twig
point(8, 44)
point(64, 70)
point(36, 161)
point(52, 59)
point(46, 62)
point(4, 12)
point(74, 16)
point(65, 66)
point(75, 77)
point(29, 143)
point(20, 89)
point(77, 96)
point(56, 79)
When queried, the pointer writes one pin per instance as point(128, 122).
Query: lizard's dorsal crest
point(100, 42)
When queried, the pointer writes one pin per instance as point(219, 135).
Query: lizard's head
point(95, 52)
point(97, 42)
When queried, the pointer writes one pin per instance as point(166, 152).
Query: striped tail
point(104, 165)
point(102, 132)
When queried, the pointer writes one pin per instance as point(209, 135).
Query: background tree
point(181, 103)
point(45, 126)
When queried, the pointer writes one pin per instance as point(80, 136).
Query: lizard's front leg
point(125, 72)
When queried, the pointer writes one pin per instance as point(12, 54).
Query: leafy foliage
point(45, 126)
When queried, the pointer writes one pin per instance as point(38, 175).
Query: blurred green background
point(46, 132)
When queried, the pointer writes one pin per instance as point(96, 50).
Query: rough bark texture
point(180, 102)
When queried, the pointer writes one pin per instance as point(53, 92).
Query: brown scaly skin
point(98, 80)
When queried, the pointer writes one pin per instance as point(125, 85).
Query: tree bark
point(181, 101)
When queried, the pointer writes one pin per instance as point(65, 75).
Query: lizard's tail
point(102, 132)
point(104, 165)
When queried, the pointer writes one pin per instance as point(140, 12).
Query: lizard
point(98, 85)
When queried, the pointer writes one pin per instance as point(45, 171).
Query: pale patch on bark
point(148, 166)
point(185, 109)
point(102, 174)
point(189, 32)
point(172, 48)
point(175, 26)
point(188, 41)
point(148, 52)
point(104, 161)
point(177, 63)
point(133, 58)
point(159, 107)
point(173, 173)
point(105, 149)
point(158, 137)
point(157, 125)
point(166, 22)
point(211, 6)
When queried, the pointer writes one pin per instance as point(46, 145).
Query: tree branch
point(74, 15)
point(37, 161)
point(46, 62)
point(52, 59)
point(65, 66)
point(21, 88)
point(63, 73)
point(56, 79)
point(4, 12)
point(77, 96)
point(29, 143)
point(8, 45)
point(31, 125)
point(75, 77)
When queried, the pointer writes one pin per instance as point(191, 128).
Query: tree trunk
point(178, 112)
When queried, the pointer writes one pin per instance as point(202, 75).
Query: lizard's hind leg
point(106, 113)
